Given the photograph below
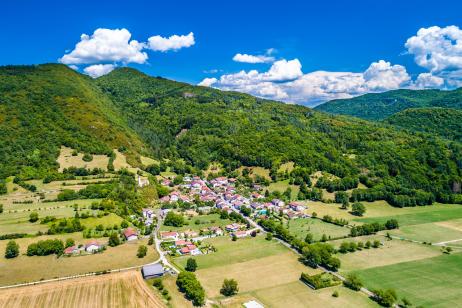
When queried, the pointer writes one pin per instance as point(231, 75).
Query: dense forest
point(378, 106)
point(43, 107)
point(445, 122)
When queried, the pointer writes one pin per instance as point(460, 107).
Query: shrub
point(33, 217)
point(191, 265)
point(229, 287)
point(142, 251)
point(352, 282)
point(12, 250)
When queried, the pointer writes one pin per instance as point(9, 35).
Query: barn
point(152, 270)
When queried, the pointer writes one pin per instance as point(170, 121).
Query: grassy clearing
point(82, 204)
point(206, 221)
point(120, 162)
point(242, 250)
point(125, 289)
point(331, 209)
point(300, 227)
point(421, 215)
point(433, 282)
point(109, 220)
point(66, 160)
point(26, 269)
point(430, 233)
point(146, 161)
point(281, 186)
point(392, 252)
point(289, 166)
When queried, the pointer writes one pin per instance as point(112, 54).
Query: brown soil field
point(126, 289)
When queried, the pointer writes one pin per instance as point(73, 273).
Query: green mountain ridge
point(378, 106)
point(46, 106)
point(444, 122)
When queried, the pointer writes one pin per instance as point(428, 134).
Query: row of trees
point(372, 228)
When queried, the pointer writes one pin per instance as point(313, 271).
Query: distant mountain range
point(43, 107)
point(430, 111)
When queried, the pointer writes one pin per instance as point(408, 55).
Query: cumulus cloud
point(207, 82)
point(285, 81)
point(106, 45)
point(437, 49)
point(382, 76)
point(245, 58)
point(98, 70)
point(174, 42)
point(428, 81)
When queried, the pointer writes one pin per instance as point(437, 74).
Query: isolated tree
point(70, 242)
point(12, 250)
point(269, 236)
point(33, 217)
point(324, 238)
point(309, 238)
point(358, 209)
point(151, 240)
point(142, 251)
point(234, 237)
point(229, 287)
point(191, 265)
point(114, 240)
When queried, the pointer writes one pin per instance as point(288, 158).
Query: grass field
point(412, 215)
point(391, 252)
point(26, 269)
point(109, 220)
point(289, 166)
point(125, 289)
point(433, 282)
point(332, 209)
point(267, 272)
point(430, 233)
point(66, 160)
point(206, 221)
point(300, 227)
point(281, 186)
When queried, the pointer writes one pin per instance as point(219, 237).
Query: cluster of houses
point(94, 246)
point(222, 193)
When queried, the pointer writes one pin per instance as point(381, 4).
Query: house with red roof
point(130, 234)
point(169, 235)
point(71, 250)
point(92, 246)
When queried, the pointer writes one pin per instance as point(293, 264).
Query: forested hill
point(49, 105)
point(378, 106)
point(46, 106)
point(444, 122)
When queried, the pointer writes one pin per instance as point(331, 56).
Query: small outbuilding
point(152, 270)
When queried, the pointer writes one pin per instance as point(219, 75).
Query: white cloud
point(98, 70)
point(428, 81)
point(245, 58)
point(174, 42)
point(106, 45)
point(285, 81)
point(437, 49)
point(207, 82)
point(382, 76)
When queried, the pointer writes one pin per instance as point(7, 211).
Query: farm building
point(169, 235)
point(71, 250)
point(152, 270)
point(92, 246)
point(130, 234)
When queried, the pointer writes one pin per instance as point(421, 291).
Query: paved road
point(157, 242)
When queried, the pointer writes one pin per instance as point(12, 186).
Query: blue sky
point(332, 36)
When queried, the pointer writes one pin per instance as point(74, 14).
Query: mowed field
point(301, 227)
point(267, 272)
point(205, 221)
point(432, 282)
point(26, 269)
point(125, 289)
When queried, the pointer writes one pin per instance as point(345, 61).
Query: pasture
point(26, 269)
point(430, 233)
point(300, 227)
point(197, 223)
point(432, 282)
point(391, 252)
point(66, 160)
point(266, 271)
point(282, 186)
point(125, 289)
